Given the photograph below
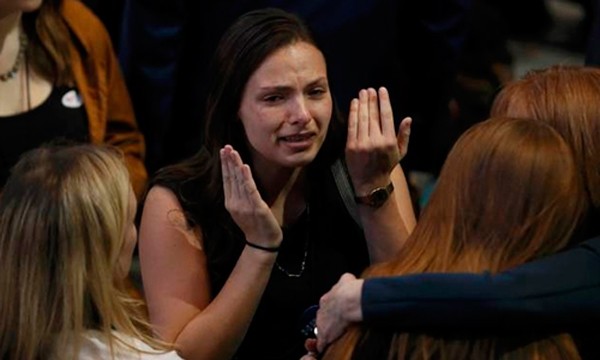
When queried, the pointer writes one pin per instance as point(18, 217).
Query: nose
point(299, 111)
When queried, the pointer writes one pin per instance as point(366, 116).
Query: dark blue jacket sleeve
point(559, 291)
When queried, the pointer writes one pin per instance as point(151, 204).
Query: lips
point(297, 137)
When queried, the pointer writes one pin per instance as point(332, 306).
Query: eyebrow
point(319, 81)
point(276, 88)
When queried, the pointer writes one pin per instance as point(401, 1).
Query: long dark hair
point(197, 181)
point(48, 38)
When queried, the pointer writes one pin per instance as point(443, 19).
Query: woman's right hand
point(244, 203)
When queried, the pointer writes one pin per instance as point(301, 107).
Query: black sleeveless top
point(334, 245)
point(60, 117)
point(324, 243)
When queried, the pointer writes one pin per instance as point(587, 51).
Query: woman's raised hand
point(244, 203)
point(372, 148)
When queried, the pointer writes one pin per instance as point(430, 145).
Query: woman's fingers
point(353, 123)
point(374, 121)
point(225, 171)
point(234, 171)
point(235, 181)
point(363, 115)
point(373, 148)
point(370, 116)
point(387, 116)
point(249, 186)
point(242, 185)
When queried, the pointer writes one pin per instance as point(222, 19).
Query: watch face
point(379, 196)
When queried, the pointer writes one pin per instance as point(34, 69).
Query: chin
point(32, 5)
point(303, 159)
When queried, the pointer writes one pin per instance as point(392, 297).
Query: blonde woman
point(67, 235)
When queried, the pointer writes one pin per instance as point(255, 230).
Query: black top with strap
point(317, 249)
point(61, 117)
point(335, 244)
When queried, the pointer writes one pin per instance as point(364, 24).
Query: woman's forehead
point(300, 61)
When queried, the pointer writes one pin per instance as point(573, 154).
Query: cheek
point(257, 126)
point(323, 113)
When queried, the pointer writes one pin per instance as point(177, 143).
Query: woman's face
point(286, 107)
point(130, 240)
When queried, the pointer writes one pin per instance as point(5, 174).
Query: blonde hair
point(63, 217)
point(509, 192)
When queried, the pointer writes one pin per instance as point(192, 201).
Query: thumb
point(403, 136)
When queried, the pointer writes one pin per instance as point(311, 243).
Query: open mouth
point(297, 137)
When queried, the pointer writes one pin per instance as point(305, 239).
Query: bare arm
point(373, 153)
point(176, 279)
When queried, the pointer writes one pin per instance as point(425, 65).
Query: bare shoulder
point(161, 196)
point(163, 214)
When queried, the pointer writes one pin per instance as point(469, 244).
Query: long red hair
point(509, 192)
point(567, 98)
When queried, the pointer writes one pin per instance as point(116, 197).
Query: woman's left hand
point(372, 148)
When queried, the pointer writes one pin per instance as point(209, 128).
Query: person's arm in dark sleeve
point(562, 290)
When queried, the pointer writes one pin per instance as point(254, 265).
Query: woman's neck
point(283, 189)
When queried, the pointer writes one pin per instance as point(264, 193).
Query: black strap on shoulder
point(342, 181)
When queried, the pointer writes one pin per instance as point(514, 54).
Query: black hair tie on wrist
point(264, 248)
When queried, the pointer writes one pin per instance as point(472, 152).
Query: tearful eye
point(273, 98)
point(317, 92)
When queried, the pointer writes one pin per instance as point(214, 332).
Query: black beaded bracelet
point(264, 248)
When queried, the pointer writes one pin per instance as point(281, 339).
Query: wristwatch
point(377, 196)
